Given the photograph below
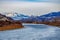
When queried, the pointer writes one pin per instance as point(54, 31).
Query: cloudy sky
point(30, 7)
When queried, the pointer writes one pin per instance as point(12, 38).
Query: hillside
point(7, 23)
point(52, 18)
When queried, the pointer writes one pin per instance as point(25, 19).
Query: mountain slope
point(51, 14)
point(50, 17)
point(7, 23)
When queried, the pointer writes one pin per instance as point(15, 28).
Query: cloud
point(34, 0)
point(29, 8)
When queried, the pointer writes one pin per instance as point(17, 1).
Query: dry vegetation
point(7, 23)
point(11, 26)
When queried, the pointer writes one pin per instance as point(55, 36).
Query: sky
point(30, 7)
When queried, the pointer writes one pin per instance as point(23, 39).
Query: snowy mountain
point(19, 16)
point(52, 18)
point(15, 16)
point(52, 14)
point(47, 17)
point(25, 18)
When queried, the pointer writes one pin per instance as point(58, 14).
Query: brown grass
point(11, 26)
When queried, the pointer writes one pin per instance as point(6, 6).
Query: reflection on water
point(32, 32)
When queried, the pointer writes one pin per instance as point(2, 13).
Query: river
point(32, 32)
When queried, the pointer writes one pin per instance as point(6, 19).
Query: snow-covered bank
point(32, 32)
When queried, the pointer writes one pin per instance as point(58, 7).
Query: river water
point(32, 32)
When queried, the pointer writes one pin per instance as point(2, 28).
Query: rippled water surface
point(32, 32)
